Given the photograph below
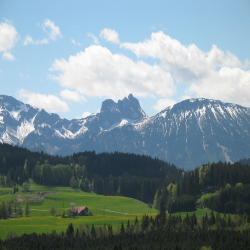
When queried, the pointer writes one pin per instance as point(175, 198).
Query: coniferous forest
point(151, 181)
point(163, 232)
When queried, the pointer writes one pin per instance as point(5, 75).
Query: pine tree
point(27, 209)
point(93, 232)
point(70, 230)
point(20, 211)
point(122, 229)
point(3, 210)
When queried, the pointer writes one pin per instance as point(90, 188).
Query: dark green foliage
point(27, 209)
point(93, 232)
point(3, 210)
point(70, 230)
point(171, 233)
point(116, 173)
point(184, 203)
point(231, 200)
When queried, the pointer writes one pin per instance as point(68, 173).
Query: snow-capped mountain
point(188, 134)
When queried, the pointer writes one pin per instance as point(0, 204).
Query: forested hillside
point(150, 180)
point(122, 174)
point(229, 180)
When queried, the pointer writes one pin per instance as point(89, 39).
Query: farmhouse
point(14, 215)
point(81, 211)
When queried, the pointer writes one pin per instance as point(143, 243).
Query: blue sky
point(69, 56)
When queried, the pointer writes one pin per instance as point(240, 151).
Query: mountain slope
point(198, 131)
point(188, 134)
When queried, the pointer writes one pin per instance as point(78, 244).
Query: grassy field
point(107, 210)
point(117, 209)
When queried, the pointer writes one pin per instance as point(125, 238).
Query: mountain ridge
point(188, 134)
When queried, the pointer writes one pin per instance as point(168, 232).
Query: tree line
point(232, 199)
point(180, 195)
point(161, 232)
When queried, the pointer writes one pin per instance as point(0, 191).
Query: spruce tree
point(93, 232)
point(27, 209)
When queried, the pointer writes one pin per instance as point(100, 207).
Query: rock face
point(188, 134)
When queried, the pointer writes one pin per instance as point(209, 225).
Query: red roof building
point(81, 211)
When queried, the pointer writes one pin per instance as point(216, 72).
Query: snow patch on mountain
point(24, 129)
point(122, 123)
point(67, 134)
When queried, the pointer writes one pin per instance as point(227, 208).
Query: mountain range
point(190, 133)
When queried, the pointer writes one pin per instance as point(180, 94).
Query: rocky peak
point(108, 105)
point(128, 108)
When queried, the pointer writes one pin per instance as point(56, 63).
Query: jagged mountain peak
point(128, 108)
point(10, 103)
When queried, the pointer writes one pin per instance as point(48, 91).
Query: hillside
point(117, 209)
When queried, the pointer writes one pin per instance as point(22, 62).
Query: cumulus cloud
point(8, 36)
point(214, 74)
point(85, 114)
point(50, 103)
point(29, 40)
point(74, 42)
point(110, 35)
point(72, 96)
point(185, 97)
point(54, 31)
point(95, 39)
point(98, 72)
point(8, 56)
point(188, 63)
point(227, 84)
point(50, 28)
point(163, 103)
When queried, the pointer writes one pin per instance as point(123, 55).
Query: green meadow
point(106, 210)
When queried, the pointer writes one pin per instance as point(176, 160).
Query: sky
point(67, 57)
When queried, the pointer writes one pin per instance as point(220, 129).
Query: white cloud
point(163, 103)
point(8, 56)
point(228, 84)
point(98, 72)
point(187, 62)
point(8, 36)
point(74, 42)
point(96, 41)
point(110, 35)
point(72, 96)
point(54, 30)
point(85, 114)
point(214, 74)
point(185, 97)
point(29, 40)
point(50, 103)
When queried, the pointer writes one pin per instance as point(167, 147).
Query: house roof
point(78, 209)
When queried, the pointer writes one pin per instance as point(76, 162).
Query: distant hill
point(188, 134)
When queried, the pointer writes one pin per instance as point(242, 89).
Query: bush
point(26, 186)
